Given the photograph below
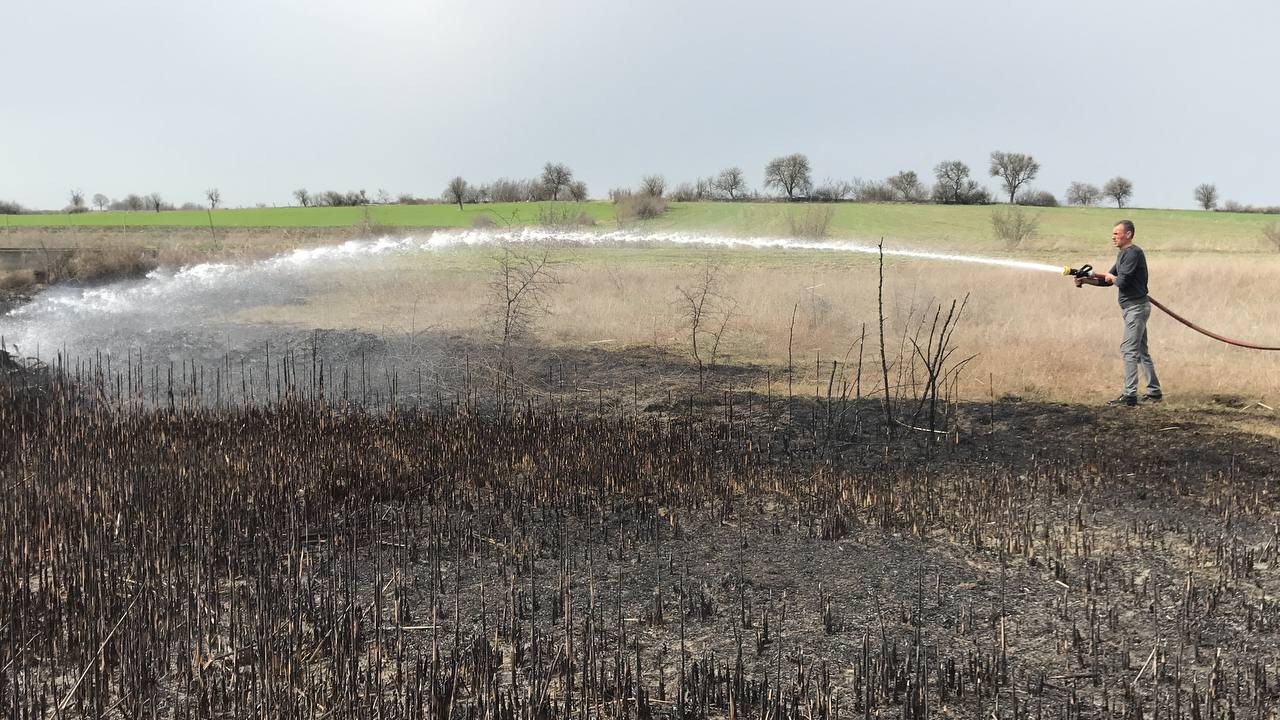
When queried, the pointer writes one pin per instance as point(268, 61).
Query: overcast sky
point(258, 97)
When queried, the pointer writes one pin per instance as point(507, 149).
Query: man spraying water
point(1129, 274)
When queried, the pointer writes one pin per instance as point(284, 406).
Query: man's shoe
point(1124, 400)
point(1152, 398)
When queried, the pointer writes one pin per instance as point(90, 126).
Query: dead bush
point(1037, 198)
point(562, 217)
point(1014, 225)
point(483, 222)
point(872, 191)
point(639, 207)
point(811, 221)
point(1271, 232)
point(16, 279)
point(110, 263)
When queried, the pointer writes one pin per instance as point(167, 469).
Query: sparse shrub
point(832, 191)
point(333, 198)
point(585, 220)
point(639, 207)
point(369, 227)
point(1037, 198)
point(519, 294)
point(1233, 206)
point(865, 191)
point(685, 192)
point(483, 222)
point(707, 311)
point(1271, 231)
point(15, 279)
point(105, 264)
point(1014, 225)
point(812, 221)
point(558, 217)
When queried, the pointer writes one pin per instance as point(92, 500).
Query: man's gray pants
point(1134, 347)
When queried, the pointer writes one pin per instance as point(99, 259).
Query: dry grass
point(1036, 335)
point(17, 279)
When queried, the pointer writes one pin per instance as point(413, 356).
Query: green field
point(392, 215)
point(938, 225)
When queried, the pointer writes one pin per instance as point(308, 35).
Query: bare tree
point(577, 190)
point(303, 197)
point(907, 185)
point(731, 182)
point(653, 185)
point(215, 196)
point(155, 201)
point(477, 194)
point(77, 200)
point(1014, 170)
point(100, 201)
point(1207, 195)
point(554, 177)
point(955, 186)
point(519, 289)
point(134, 202)
point(790, 174)
point(707, 312)
point(456, 191)
point(1119, 189)
point(383, 197)
point(1083, 193)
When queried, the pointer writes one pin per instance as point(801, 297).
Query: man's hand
point(1096, 280)
point(1109, 278)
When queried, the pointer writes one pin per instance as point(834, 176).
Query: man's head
point(1122, 234)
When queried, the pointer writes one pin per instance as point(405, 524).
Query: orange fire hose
point(1202, 331)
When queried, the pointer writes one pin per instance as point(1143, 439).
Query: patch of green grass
point(436, 216)
point(945, 227)
point(969, 227)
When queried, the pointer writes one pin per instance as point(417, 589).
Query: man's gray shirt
point(1131, 274)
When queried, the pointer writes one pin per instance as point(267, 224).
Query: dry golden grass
point(15, 279)
point(1035, 335)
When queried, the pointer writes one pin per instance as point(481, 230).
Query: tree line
point(787, 177)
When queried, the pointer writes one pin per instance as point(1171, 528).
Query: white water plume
point(203, 298)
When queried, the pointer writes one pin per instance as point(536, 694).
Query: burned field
point(503, 552)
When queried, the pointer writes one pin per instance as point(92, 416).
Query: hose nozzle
point(1083, 271)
